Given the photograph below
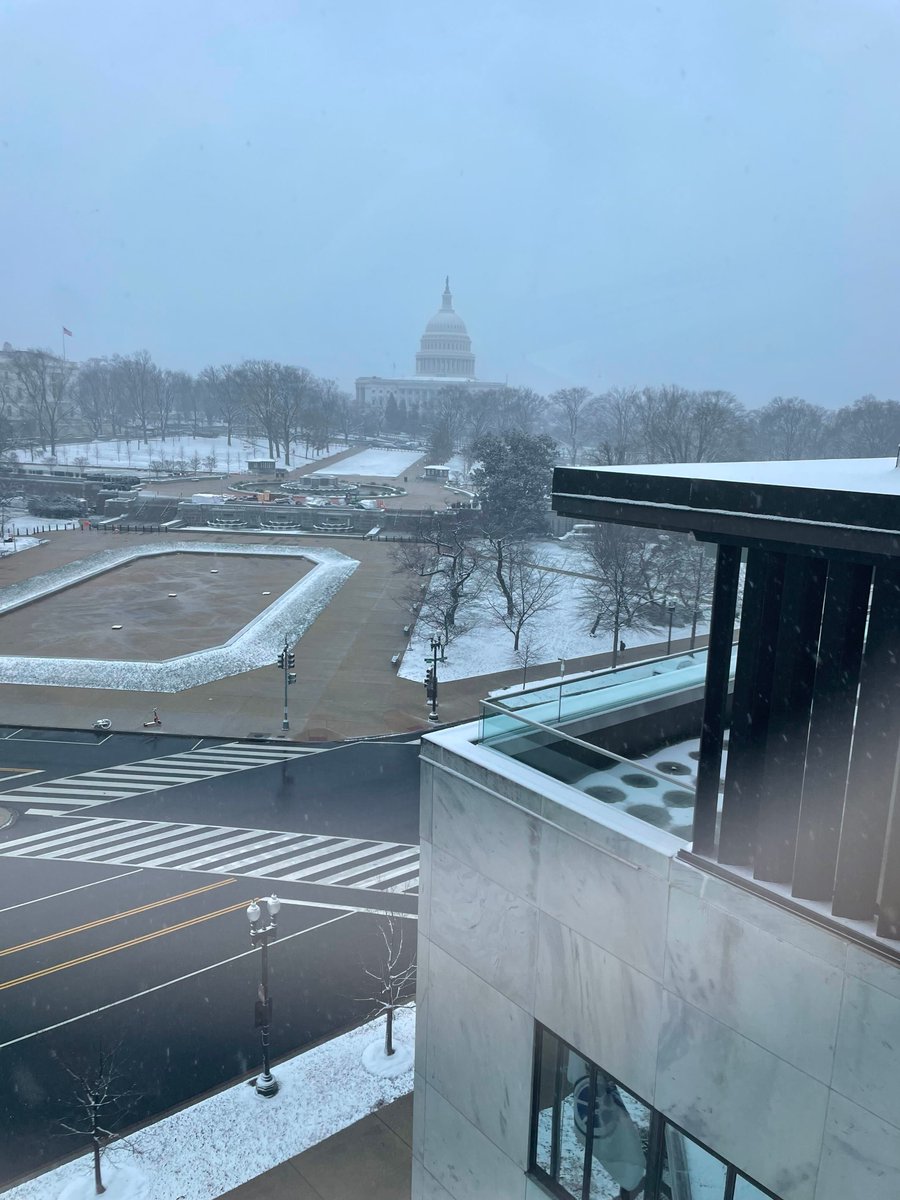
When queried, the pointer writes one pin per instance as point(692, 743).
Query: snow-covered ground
point(560, 632)
point(24, 524)
point(206, 1150)
point(204, 455)
point(289, 615)
point(378, 462)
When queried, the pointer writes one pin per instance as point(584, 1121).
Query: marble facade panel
point(498, 840)
point(424, 906)
point(758, 1111)
point(462, 1160)
point(620, 907)
point(755, 910)
point(423, 962)
point(860, 1155)
point(595, 822)
point(426, 785)
point(485, 927)
point(470, 1024)
point(418, 1123)
point(870, 968)
point(766, 989)
point(867, 1060)
point(603, 1007)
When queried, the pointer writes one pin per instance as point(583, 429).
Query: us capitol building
point(445, 359)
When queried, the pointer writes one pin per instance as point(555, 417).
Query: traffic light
point(292, 678)
point(429, 677)
point(281, 661)
point(290, 661)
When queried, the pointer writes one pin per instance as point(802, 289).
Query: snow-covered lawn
point(255, 645)
point(560, 632)
point(210, 455)
point(379, 462)
point(206, 1150)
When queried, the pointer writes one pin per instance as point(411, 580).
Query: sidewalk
point(371, 1158)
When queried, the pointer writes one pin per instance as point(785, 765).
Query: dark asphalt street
point(159, 959)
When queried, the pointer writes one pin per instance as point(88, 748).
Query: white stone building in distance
point(445, 359)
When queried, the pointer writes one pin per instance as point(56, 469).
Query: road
point(122, 921)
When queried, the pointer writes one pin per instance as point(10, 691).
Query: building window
point(628, 1151)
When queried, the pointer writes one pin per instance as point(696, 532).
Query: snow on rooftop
point(877, 476)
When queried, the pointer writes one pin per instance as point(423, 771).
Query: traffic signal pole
point(286, 664)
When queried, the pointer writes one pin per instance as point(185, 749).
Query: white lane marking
point(376, 912)
point(54, 895)
point(411, 856)
point(45, 812)
point(33, 837)
point(13, 734)
point(372, 851)
point(160, 986)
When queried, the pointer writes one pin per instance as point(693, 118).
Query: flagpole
point(64, 342)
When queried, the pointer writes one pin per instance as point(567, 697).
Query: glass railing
point(549, 728)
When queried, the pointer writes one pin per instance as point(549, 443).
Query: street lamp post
point(670, 606)
point(562, 676)
point(286, 665)
point(431, 679)
point(262, 931)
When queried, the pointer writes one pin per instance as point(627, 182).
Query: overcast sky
point(622, 192)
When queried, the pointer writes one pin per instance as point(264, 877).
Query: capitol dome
point(445, 349)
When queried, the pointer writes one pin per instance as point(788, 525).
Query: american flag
point(67, 332)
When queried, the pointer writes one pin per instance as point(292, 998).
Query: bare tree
point(394, 976)
point(136, 373)
point(444, 557)
point(41, 381)
point(614, 433)
point(223, 386)
point(95, 396)
point(530, 589)
point(788, 427)
point(677, 425)
point(573, 406)
point(101, 1099)
point(618, 594)
point(260, 382)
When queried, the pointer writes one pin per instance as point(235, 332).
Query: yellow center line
point(52, 937)
point(146, 937)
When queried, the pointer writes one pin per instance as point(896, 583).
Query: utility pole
point(286, 664)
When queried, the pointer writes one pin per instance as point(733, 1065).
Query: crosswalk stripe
point(315, 859)
point(68, 840)
point(233, 865)
point(382, 878)
point(34, 837)
point(109, 837)
point(126, 847)
point(323, 849)
point(67, 789)
point(225, 861)
point(361, 868)
point(243, 836)
point(367, 852)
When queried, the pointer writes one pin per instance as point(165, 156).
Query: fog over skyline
point(621, 192)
